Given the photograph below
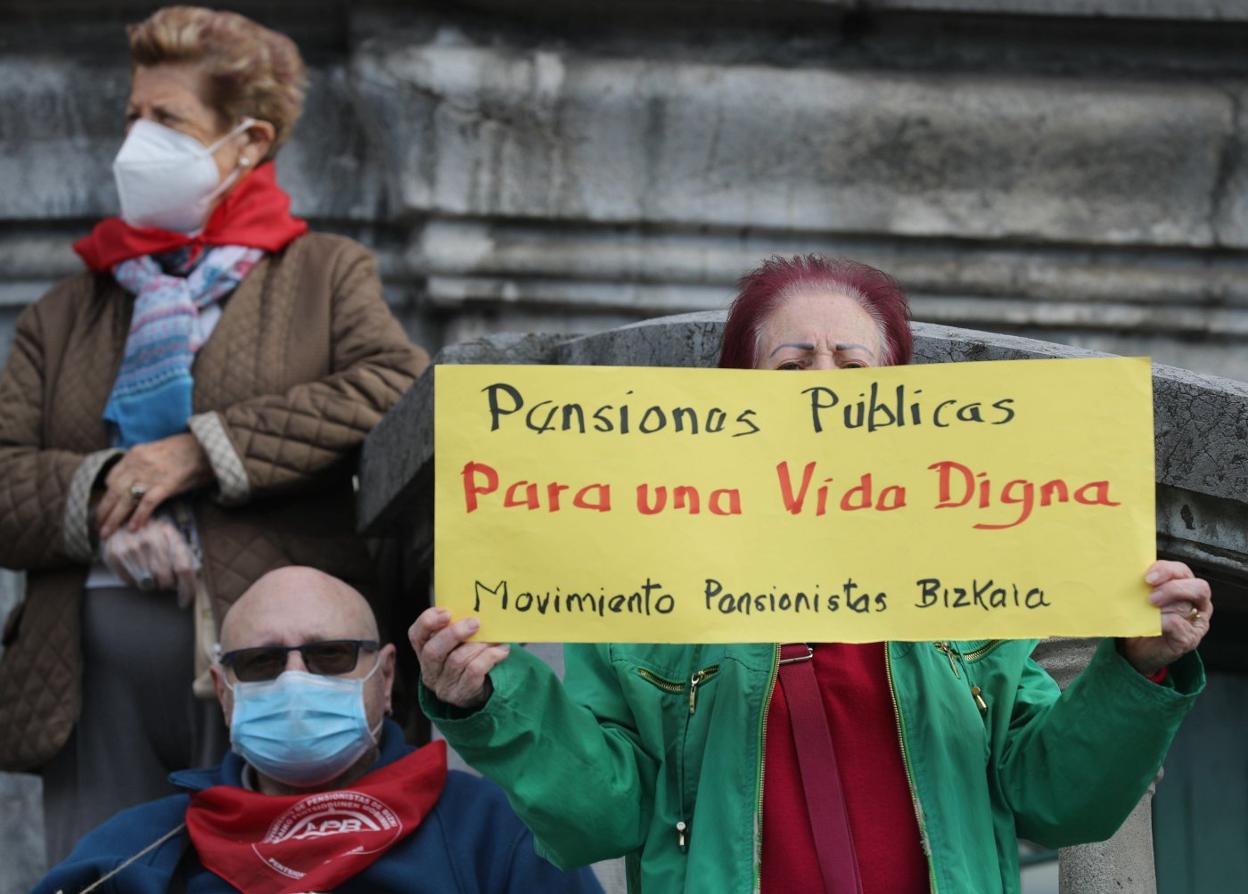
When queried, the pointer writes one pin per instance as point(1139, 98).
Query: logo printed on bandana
point(370, 824)
point(315, 841)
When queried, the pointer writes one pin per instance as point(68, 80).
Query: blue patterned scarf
point(151, 398)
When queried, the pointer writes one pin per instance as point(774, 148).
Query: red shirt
point(863, 722)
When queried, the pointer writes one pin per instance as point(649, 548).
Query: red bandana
point(282, 844)
point(256, 214)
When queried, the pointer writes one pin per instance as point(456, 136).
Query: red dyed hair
point(763, 288)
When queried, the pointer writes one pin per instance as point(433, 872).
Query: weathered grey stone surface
point(1123, 863)
point(1061, 169)
point(21, 833)
point(1110, 299)
point(1031, 275)
point(21, 808)
point(397, 455)
point(1182, 10)
point(1217, 10)
point(1201, 422)
point(543, 134)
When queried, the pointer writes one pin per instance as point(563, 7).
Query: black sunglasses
point(329, 657)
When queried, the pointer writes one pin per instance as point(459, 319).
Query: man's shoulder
point(122, 837)
point(471, 794)
point(133, 828)
point(486, 838)
point(475, 811)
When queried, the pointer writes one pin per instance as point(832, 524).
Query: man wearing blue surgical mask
point(304, 692)
point(320, 792)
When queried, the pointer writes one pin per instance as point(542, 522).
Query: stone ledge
point(395, 469)
point(1204, 530)
point(1178, 10)
point(648, 299)
point(1201, 422)
point(555, 135)
point(500, 251)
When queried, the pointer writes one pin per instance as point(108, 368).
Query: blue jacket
point(471, 843)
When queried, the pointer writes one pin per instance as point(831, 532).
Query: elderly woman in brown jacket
point(178, 419)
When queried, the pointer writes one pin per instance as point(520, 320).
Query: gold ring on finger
point(1194, 615)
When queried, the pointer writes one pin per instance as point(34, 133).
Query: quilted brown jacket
point(305, 359)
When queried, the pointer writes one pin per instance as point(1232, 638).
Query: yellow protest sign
point(965, 501)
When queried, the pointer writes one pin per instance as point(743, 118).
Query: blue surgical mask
point(302, 729)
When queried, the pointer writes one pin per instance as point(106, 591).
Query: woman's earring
point(244, 161)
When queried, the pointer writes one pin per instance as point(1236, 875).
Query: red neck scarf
point(282, 844)
point(255, 214)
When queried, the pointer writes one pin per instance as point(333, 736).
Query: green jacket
point(643, 738)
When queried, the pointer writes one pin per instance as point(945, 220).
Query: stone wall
point(21, 813)
point(1072, 171)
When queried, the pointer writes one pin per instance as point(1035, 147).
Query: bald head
point(296, 605)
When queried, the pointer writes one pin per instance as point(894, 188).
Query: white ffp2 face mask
point(168, 179)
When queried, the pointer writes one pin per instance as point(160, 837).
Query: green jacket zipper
point(905, 756)
point(984, 650)
point(697, 679)
point(683, 830)
point(655, 680)
point(949, 651)
point(682, 825)
point(762, 766)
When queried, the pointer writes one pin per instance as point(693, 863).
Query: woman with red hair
point(769, 289)
point(880, 768)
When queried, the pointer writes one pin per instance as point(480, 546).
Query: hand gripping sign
point(998, 500)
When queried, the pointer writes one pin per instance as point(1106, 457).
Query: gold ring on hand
point(1194, 615)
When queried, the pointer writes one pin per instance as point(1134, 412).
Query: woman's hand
point(146, 476)
point(455, 670)
point(156, 557)
point(1186, 607)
